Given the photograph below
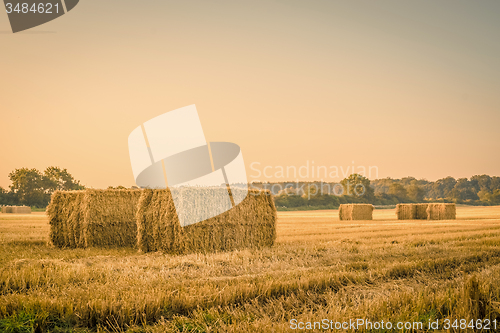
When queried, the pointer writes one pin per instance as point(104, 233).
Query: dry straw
point(412, 211)
point(16, 210)
point(441, 211)
point(251, 224)
point(424, 211)
point(356, 212)
point(93, 218)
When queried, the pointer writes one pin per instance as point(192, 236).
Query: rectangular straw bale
point(421, 211)
point(441, 211)
point(412, 211)
point(93, 218)
point(59, 211)
point(251, 224)
point(7, 209)
point(355, 212)
point(405, 211)
point(16, 210)
point(21, 210)
point(109, 217)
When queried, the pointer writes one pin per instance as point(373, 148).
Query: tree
point(382, 185)
point(27, 186)
point(495, 184)
point(416, 193)
point(442, 188)
point(357, 186)
point(32, 188)
point(463, 190)
point(3, 196)
point(481, 183)
point(398, 191)
point(57, 179)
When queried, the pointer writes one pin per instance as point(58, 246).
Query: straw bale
point(93, 218)
point(16, 210)
point(251, 224)
point(355, 212)
point(412, 211)
point(7, 209)
point(441, 211)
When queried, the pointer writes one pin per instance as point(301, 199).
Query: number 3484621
point(36, 8)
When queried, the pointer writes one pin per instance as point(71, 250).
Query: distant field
point(320, 268)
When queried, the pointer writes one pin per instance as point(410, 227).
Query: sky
point(410, 88)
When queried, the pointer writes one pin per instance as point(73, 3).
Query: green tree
point(442, 188)
point(60, 179)
point(3, 196)
point(382, 185)
point(358, 186)
point(27, 186)
point(416, 193)
point(399, 191)
point(463, 190)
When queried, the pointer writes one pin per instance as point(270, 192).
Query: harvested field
point(319, 267)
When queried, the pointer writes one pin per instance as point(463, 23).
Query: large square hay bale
point(58, 217)
point(250, 224)
point(109, 217)
point(441, 211)
point(355, 212)
point(412, 211)
point(93, 218)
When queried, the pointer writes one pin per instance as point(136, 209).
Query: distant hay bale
point(16, 210)
point(405, 211)
point(93, 218)
point(251, 224)
point(412, 211)
point(442, 211)
point(355, 212)
point(420, 211)
point(426, 211)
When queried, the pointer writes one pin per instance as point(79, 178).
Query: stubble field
point(320, 268)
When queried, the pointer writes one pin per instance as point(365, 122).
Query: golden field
point(319, 268)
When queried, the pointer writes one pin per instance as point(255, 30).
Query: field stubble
point(320, 267)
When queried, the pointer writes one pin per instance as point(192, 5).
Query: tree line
point(478, 190)
point(33, 188)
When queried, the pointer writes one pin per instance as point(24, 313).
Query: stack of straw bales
point(424, 211)
point(356, 212)
point(16, 210)
point(251, 224)
point(93, 218)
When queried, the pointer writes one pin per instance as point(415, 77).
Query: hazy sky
point(409, 87)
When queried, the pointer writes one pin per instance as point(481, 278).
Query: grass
point(320, 268)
